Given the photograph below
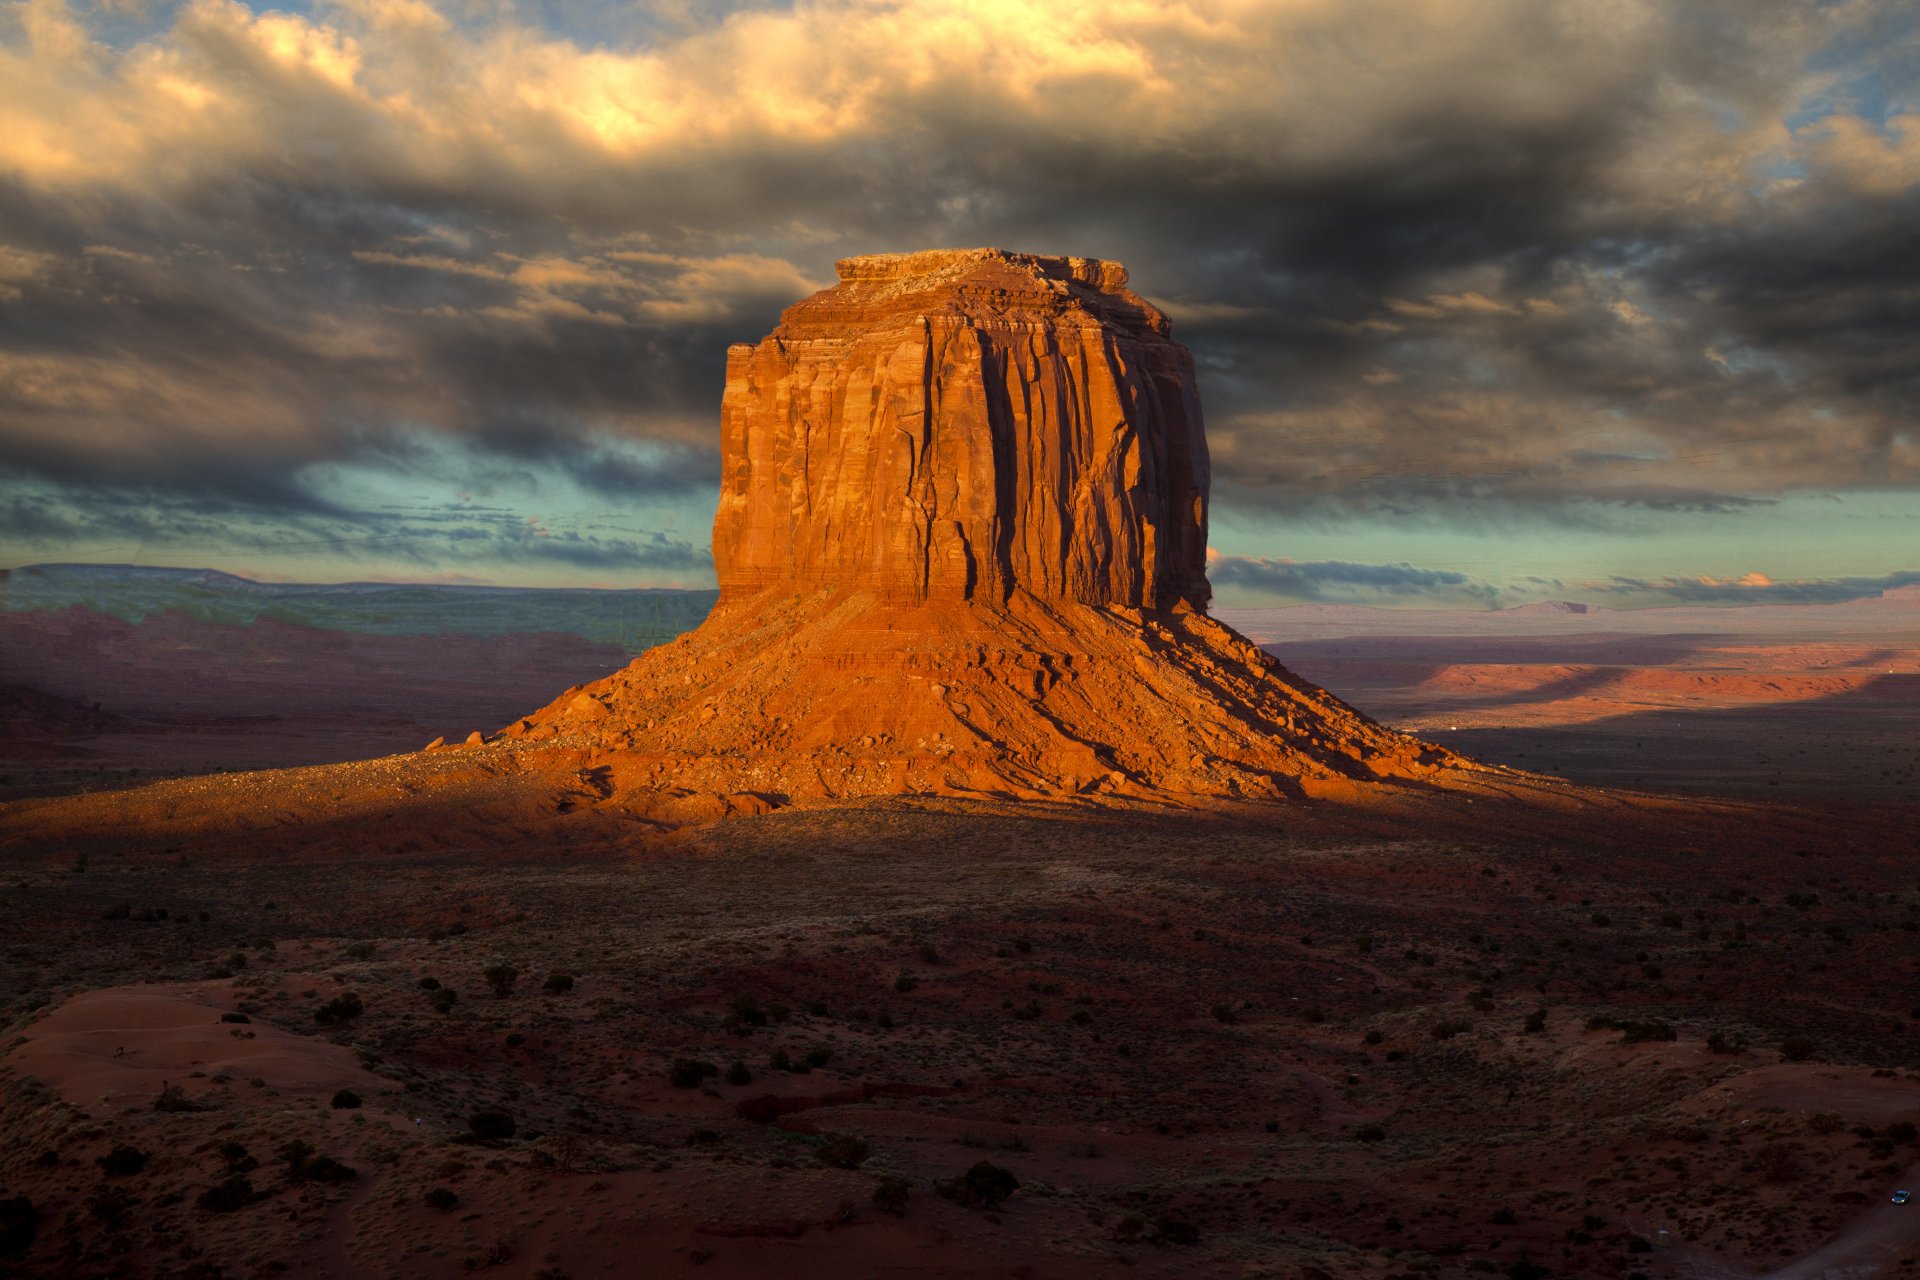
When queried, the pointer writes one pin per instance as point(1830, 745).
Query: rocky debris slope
point(961, 544)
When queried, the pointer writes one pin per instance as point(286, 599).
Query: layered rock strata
point(961, 545)
point(961, 426)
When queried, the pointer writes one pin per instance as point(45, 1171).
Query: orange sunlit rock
point(961, 545)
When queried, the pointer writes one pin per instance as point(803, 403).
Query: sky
point(1493, 301)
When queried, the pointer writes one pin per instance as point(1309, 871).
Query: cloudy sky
point(1494, 300)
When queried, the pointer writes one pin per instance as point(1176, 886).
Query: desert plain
point(1660, 1023)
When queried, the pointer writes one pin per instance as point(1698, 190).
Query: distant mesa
point(961, 545)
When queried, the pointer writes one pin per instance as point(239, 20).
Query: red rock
point(961, 425)
point(961, 546)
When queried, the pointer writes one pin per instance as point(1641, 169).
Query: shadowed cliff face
point(960, 425)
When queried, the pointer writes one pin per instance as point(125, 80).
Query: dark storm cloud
point(1341, 580)
point(1442, 257)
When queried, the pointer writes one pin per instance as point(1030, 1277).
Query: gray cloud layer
point(1430, 253)
point(1344, 582)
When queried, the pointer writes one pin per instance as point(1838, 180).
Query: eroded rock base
point(778, 699)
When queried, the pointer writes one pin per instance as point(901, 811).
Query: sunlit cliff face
point(1546, 297)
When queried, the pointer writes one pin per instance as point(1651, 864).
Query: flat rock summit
point(961, 544)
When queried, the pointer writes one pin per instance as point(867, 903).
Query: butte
point(962, 551)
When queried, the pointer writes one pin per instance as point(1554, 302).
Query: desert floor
point(1293, 1042)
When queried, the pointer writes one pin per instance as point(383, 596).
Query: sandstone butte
point(961, 546)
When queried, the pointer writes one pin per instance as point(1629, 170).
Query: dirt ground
point(1546, 1032)
point(1246, 1048)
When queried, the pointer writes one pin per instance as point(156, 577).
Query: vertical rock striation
point(962, 425)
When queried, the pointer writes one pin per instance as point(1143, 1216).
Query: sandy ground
point(1420, 1038)
point(1204, 1047)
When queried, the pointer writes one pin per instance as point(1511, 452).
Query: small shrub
point(1633, 1031)
point(1778, 1162)
point(1504, 1218)
point(110, 1205)
point(235, 1017)
point(123, 1162)
point(342, 1008)
point(984, 1186)
point(429, 983)
point(745, 1011)
point(1722, 1043)
point(443, 1199)
point(819, 1056)
point(891, 1196)
point(19, 1224)
point(1373, 1037)
point(690, 1073)
point(558, 984)
point(304, 1164)
point(905, 983)
point(1796, 1049)
point(234, 1193)
point(842, 1151)
point(174, 1099)
point(1370, 1133)
point(1175, 1231)
point(346, 1100)
point(928, 954)
point(1224, 1013)
point(443, 1000)
point(491, 1125)
point(501, 978)
point(737, 1074)
point(1536, 1023)
point(1450, 1028)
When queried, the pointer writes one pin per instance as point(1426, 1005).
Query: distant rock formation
point(961, 545)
